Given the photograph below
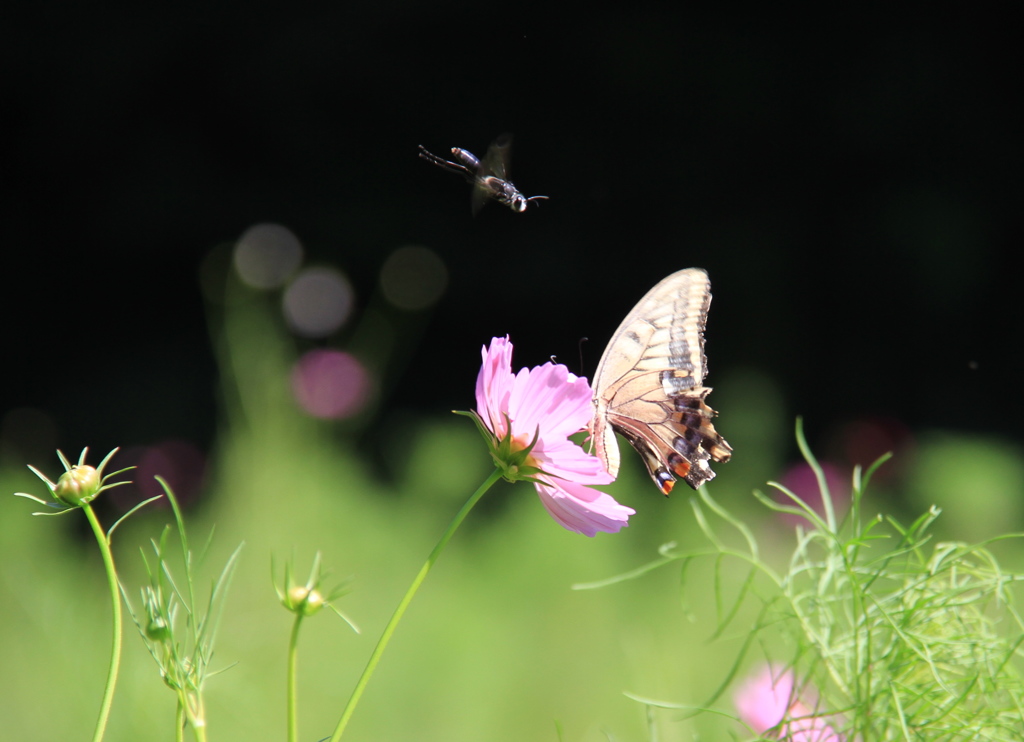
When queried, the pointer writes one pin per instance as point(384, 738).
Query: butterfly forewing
point(649, 385)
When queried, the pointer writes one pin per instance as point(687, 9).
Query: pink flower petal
point(552, 398)
point(766, 699)
point(544, 406)
point(582, 509)
point(494, 383)
point(565, 460)
point(810, 728)
point(763, 700)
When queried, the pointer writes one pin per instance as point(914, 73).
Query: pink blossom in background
point(763, 700)
point(179, 463)
point(865, 439)
point(550, 403)
point(330, 384)
point(802, 482)
point(767, 698)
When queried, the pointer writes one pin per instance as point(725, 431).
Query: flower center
point(521, 442)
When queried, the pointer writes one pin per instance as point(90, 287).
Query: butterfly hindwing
point(649, 385)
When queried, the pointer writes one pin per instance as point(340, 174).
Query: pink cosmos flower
point(531, 415)
point(767, 698)
point(801, 480)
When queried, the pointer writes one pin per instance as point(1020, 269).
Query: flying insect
point(489, 176)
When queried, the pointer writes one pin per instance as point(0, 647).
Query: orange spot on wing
point(681, 469)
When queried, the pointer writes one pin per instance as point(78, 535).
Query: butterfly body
point(649, 386)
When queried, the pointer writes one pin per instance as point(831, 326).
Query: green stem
point(179, 723)
point(385, 637)
point(115, 601)
point(293, 671)
point(197, 717)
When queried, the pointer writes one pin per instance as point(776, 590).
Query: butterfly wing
point(649, 385)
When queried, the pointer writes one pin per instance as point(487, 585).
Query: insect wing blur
point(492, 177)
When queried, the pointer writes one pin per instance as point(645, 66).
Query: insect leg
point(452, 167)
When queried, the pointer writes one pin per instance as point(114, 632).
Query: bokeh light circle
point(330, 384)
point(266, 255)
point(413, 277)
point(318, 302)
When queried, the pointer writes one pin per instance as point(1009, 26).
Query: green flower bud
point(301, 599)
point(78, 485)
point(157, 629)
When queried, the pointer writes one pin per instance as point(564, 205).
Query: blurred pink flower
point(801, 480)
point(531, 415)
point(331, 384)
point(766, 699)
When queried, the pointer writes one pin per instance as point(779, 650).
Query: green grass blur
point(496, 645)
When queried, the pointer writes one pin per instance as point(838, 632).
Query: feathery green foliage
point(183, 653)
point(902, 637)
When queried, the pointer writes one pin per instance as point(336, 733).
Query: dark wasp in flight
point(489, 176)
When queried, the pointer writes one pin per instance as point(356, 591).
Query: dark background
point(849, 176)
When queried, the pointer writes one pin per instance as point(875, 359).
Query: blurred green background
point(496, 644)
point(849, 180)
